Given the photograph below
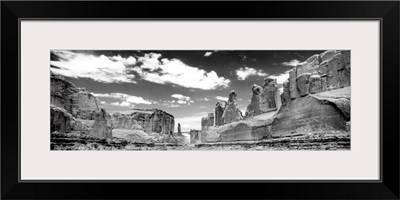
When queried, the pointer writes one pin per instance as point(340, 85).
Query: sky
point(186, 84)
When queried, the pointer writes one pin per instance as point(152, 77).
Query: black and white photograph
point(200, 100)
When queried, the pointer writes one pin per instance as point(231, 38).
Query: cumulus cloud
point(245, 72)
point(293, 63)
point(150, 67)
point(174, 71)
point(180, 97)
point(207, 54)
point(126, 100)
point(122, 104)
point(280, 78)
point(222, 98)
point(98, 68)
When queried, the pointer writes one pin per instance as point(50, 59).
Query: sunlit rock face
point(264, 99)
point(75, 109)
point(231, 111)
point(76, 101)
point(311, 113)
point(148, 120)
point(319, 95)
point(327, 71)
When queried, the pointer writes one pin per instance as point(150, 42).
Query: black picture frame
point(385, 11)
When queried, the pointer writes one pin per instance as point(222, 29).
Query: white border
point(39, 163)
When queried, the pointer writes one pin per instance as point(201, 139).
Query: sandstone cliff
point(327, 71)
point(76, 101)
point(75, 109)
point(231, 111)
point(148, 120)
point(315, 98)
point(264, 98)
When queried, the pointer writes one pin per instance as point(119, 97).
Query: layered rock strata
point(76, 101)
point(75, 109)
point(315, 98)
point(321, 72)
point(148, 120)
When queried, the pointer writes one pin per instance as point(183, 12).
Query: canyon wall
point(148, 120)
point(322, 72)
point(315, 98)
point(264, 99)
point(75, 109)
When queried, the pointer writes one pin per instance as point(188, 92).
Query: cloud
point(126, 100)
point(180, 97)
point(98, 68)
point(150, 67)
point(245, 72)
point(293, 63)
point(222, 98)
point(280, 78)
point(176, 72)
point(192, 122)
point(204, 99)
point(207, 54)
point(122, 104)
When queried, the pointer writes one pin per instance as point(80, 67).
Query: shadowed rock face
point(219, 111)
point(100, 128)
point(179, 129)
point(285, 96)
point(231, 112)
point(60, 120)
point(148, 120)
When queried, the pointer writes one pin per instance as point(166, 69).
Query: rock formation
point(100, 128)
point(75, 109)
point(219, 111)
point(60, 119)
point(76, 101)
point(231, 112)
point(315, 99)
point(310, 114)
point(264, 98)
point(195, 136)
point(179, 129)
point(207, 121)
point(148, 120)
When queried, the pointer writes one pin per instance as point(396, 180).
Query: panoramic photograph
point(200, 100)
